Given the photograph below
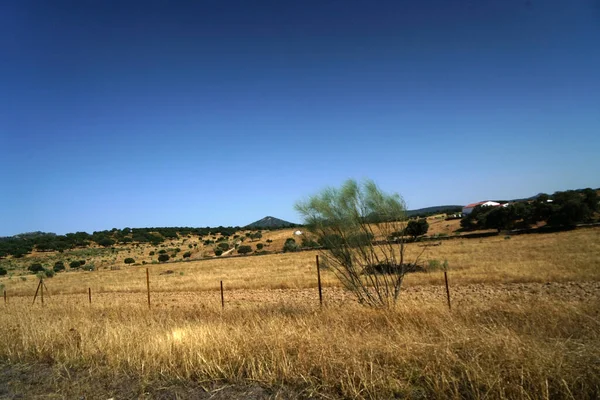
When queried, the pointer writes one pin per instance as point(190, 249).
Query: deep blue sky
point(196, 113)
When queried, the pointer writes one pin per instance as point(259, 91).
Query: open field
point(525, 324)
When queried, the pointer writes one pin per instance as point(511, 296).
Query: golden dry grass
point(525, 324)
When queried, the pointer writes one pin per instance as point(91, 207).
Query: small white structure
point(298, 233)
point(468, 209)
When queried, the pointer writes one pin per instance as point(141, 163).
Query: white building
point(468, 209)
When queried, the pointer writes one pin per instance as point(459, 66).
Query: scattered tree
point(36, 267)
point(59, 266)
point(74, 264)
point(187, 254)
point(417, 227)
point(290, 245)
point(129, 260)
point(163, 257)
point(244, 249)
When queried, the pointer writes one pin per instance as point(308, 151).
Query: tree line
point(20, 245)
point(562, 209)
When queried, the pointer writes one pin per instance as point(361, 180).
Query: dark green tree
point(163, 257)
point(417, 227)
point(290, 245)
point(244, 249)
point(59, 266)
point(36, 267)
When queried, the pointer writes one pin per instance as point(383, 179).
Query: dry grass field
point(525, 324)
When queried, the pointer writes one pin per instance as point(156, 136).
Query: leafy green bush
point(290, 245)
point(59, 266)
point(244, 249)
point(75, 264)
point(36, 267)
point(49, 273)
point(259, 246)
point(218, 252)
point(417, 227)
point(3, 271)
point(106, 242)
point(163, 251)
point(187, 254)
point(129, 260)
point(223, 246)
point(151, 253)
point(163, 257)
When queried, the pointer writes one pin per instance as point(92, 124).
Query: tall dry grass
point(510, 334)
point(518, 348)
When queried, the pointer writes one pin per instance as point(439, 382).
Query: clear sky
point(205, 113)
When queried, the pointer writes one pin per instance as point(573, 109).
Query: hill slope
point(269, 222)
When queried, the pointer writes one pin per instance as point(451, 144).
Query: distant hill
point(269, 222)
point(448, 209)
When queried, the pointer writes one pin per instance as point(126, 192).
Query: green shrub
point(163, 251)
point(59, 266)
point(163, 257)
point(49, 273)
point(244, 249)
point(3, 271)
point(259, 246)
point(36, 267)
point(223, 246)
point(75, 264)
point(290, 245)
point(269, 241)
point(129, 260)
point(151, 253)
point(187, 254)
point(218, 252)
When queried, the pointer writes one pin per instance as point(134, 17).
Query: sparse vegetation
point(163, 257)
point(129, 260)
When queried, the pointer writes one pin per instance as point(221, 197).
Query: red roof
point(473, 205)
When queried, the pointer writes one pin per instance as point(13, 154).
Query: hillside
point(446, 209)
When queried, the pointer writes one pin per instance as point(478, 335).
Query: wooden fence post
point(90, 294)
point(148, 285)
point(447, 289)
point(36, 292)
point(222, 297)
point(5, 296)
point(319, 282)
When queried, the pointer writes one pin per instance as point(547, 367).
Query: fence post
point(148, 285)
point(447, 289)
point(319, 282)
point(5, 296)
point(36, 292)
point(90, 294)
point(222, 297)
